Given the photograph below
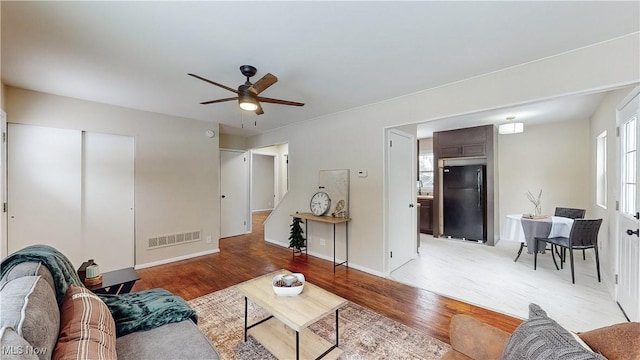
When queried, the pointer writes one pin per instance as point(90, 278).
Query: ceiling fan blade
point(218, 101)
point(259, 110)
point(262, 84)
point(278, 101)
point(214, 83)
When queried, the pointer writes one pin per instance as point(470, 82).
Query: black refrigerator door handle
point(479, 178)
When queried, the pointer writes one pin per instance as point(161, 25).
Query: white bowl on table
point(288, 290)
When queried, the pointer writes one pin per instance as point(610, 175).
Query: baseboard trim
point(174, 259)
point(330, 258)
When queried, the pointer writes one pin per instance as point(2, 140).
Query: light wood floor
point(487, 276)
point(244, 257)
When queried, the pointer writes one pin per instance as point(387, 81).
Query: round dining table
point(512, 227)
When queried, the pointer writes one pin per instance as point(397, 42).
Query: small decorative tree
point(296, 240)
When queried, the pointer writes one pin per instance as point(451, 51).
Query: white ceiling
point(333, 56)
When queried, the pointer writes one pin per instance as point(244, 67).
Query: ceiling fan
point(248, 93)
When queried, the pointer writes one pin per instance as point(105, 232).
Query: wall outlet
point(322, 242)
point(208, 239)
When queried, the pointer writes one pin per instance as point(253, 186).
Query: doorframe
point(386, 260)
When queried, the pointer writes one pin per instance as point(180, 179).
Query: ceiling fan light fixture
point(248, 103)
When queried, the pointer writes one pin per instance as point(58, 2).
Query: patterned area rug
point(364, 334)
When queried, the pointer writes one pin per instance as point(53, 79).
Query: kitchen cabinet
point(461, 143)
point(426, 215)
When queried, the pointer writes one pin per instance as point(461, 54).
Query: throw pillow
point(29, 307)
point(14, 347)
point(620, 341)
point(541, 338)
point(87, 329)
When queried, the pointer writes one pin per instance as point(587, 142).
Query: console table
point(329, 220)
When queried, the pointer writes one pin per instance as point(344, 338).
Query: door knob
point(631, 232)
point(224, 196)
point(410, 205)
point(637, 215)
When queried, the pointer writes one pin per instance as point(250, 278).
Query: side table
point(116, 282)
point(329, 220)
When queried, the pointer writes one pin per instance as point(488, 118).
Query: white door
point(44, 182)
point(628, 289)
point(401, 180)
point(108, 199)
point(233, 192)
point(3, 184)
point(263, 184)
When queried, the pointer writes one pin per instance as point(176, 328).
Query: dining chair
point(583, 235)
point(571, 213)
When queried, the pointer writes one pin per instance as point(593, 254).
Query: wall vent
point(173, 239)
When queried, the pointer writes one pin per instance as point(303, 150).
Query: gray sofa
point(34, 326)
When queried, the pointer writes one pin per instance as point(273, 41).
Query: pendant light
point(511, 127)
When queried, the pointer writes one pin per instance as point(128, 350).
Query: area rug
point(364, 334)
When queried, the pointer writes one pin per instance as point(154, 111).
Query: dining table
point(524, 228)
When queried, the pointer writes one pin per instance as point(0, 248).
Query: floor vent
point(173, 239)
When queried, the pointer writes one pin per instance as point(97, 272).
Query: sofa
point(40, 321)
point(538, 338)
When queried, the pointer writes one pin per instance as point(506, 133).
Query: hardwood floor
point(244, 257)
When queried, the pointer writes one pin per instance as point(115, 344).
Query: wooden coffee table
point(285, 332)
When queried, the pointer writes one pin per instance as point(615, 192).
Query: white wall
point(552, 157)
point(354, 139)
point(176, 165)
point(604, 119)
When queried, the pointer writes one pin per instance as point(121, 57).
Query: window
point(601, 170)
point(628, 139)
point(426, 170)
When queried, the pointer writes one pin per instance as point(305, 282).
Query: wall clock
point(320, 203)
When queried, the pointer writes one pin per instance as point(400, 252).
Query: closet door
point(108, 200)
point(43, 188)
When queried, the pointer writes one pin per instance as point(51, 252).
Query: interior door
point(628, 289)
point(44, 182)
point(263, 184)
point(3, 184)
point(108, 199)
point(233, 193)
point(401, 180)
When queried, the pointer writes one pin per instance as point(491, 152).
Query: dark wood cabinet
point(462, 143)
point(426, 216)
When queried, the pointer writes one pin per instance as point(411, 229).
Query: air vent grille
point(173, 239)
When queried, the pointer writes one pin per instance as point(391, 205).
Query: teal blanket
point(143, 310)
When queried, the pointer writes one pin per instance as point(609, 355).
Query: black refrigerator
point(464, 202)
